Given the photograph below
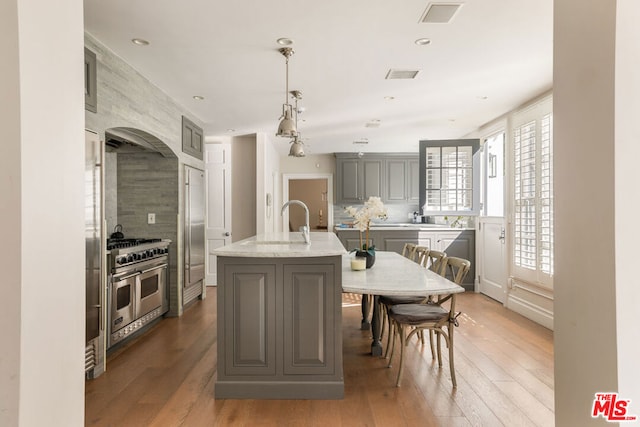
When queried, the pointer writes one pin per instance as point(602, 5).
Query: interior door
point(491, 253)
point(218, 165)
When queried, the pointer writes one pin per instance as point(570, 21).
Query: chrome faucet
point(305, 228)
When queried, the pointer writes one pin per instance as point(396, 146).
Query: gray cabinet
point(279, 328)
point(192, 138)
point(461, 244)
point(394, 177)
point(90, 81)
point(402, 183)
point(357, 178)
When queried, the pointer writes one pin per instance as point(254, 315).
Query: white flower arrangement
point(373, 208)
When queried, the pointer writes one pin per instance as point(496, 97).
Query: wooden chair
point(409, 251)
point(434, 316)
point(415, 253)
point(386, 301)
point(434, 261)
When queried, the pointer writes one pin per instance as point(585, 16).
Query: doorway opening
point(315, 191)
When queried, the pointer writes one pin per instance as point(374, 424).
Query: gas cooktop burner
point(127, 243)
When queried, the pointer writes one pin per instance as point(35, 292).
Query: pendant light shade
point(297, 149)
point(287, 126)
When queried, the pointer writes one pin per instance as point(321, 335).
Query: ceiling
point(490, 58)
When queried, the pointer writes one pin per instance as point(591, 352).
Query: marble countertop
point(407, 227)
point(393, 274)
point(284, 245)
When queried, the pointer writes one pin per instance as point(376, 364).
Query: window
point(449, 173)
point(533, 199)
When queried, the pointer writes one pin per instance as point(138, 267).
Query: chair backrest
point(435, 261)
point(420, 254)
point(409, 250)
point(459, 267)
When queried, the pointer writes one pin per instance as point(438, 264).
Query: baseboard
point(530, 311)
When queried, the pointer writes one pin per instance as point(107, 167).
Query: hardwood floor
point(504, 368)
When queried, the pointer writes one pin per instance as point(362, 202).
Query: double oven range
point(137, 285)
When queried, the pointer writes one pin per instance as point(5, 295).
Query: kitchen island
point(280, 318)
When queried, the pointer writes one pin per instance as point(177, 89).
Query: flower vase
point(370, 256)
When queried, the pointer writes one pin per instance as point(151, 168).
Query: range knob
point(121, 260)
point(142, 255)
point(130, 258)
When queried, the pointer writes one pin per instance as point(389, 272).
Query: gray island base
point(280, 318)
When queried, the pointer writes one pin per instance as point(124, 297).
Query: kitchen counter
point(280, 317)
point(284, 245)
point(407, 227)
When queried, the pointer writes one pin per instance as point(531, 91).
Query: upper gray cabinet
point(192, 138)
point(402, 183)
point(358, 178)
point(90, 82)
point(394, 177)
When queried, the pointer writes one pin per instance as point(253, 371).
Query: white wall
point(268, 182)
point(243, 187)
point(42, 164)
point(627, 205)
point(595, 154)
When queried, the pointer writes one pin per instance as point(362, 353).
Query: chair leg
point(393, 329)
point(439, 349)
point(383, 318)
point(401, 331)
point(450, 343)
point(433, 351)
point(390, 338)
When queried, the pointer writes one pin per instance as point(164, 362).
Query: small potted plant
point(373, 208)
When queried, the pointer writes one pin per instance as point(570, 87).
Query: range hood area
point(131, 141)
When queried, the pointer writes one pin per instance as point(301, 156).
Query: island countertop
point(283, 245)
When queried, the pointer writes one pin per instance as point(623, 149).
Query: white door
point(218, 165)
point(491, 256)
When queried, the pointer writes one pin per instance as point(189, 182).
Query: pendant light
point(297, 147)
point(287, 127)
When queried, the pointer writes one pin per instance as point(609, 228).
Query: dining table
point(393, 275)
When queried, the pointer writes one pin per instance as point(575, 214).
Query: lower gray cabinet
point(280, 328)
point(309, 321)
point(249, 307)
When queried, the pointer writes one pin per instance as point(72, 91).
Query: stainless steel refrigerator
point(95, 254)
point(194, 247)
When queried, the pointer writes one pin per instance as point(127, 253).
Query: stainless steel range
point(137, 285)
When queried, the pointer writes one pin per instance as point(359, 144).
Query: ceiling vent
point(372, 124)
point(401, 74)
point(361, 142)
point(440, 13)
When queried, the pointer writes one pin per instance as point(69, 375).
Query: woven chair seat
point(417, 314)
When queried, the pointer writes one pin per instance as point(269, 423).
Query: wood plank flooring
point(504, 368)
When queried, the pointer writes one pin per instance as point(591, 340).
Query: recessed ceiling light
point(423, 42)
point(140, 42)
point(231, 130)
point(198, 97)
point(389, 98)
point(284, 41)
point(483, 97)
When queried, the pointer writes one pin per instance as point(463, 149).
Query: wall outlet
point(151, 218)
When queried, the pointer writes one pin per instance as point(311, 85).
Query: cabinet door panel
point(349, 181)
point(250, 319)
point(309, 325)
point(459, 244)
point(413, 183)
point(396, 183)
point(372, 178)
